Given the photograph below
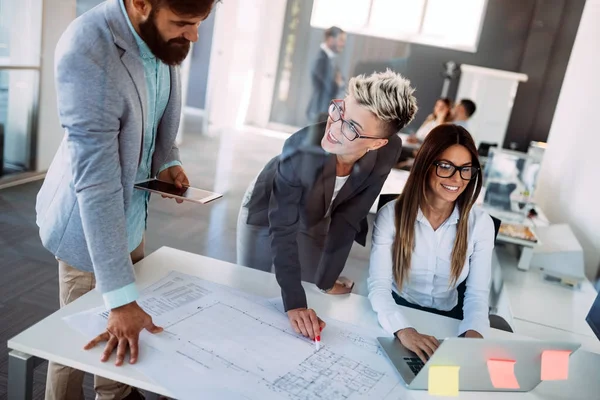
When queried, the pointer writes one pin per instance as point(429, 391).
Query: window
point(20, 48)
point(20, 24)
point(338, 12)
point(385, 16)
point(454, 24)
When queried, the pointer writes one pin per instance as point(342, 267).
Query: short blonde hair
point(387, 95)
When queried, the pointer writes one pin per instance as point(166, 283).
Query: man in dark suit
point(327, 80)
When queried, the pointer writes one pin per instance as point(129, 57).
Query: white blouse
point(340, 181)
point(428, 281)
point(425, 129)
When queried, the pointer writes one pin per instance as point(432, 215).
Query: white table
point(531, 329)
point(534, 300)
point(406, 144)
point(52, 339)
point(394, 184)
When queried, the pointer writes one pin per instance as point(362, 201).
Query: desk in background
point(394, 184)
point(406, 144)
point(534, 300)
point(52, 339)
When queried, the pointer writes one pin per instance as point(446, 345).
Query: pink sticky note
point(555, 365)
point(502, 373)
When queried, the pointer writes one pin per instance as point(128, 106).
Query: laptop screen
point(593, 317)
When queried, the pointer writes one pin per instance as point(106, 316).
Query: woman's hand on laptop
point(421, 345)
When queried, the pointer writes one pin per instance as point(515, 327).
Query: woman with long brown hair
point(432, 239)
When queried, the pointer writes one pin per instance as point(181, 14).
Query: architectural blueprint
point(226, 344)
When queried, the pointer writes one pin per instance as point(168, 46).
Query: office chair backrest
point(386, 198)
point(497, 224)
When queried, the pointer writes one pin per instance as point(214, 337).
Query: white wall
point(569, 183)
point(269, 37)
point(57, 15)
point(243, 62)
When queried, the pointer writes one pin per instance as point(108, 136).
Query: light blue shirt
point(158, 89)
point(464, 124)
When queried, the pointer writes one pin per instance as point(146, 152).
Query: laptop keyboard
point(415, 364)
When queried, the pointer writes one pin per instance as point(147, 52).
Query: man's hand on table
point(175, 175)
point(305, 322)
point(122, 331)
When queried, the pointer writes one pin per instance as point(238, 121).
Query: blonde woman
point(430, 240)
point(309, 204)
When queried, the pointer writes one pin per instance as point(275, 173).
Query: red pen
point(317, 342)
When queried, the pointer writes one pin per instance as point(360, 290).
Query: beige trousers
point(65, 383)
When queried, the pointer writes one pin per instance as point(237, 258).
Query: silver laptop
point(471, 356)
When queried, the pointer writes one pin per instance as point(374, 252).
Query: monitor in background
point(593, 317)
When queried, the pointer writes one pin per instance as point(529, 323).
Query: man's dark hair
point(188, 8)
point(333, 32)
point(469, 107)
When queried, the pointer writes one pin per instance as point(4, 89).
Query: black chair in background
point(496, 321)
point(386, 198)
point(484, 148)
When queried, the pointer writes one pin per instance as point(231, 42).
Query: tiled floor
point(226, 164)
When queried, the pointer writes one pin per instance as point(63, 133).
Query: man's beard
point(172, 52)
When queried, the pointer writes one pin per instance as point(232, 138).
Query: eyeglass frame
point(456, 168)
point(334, 103)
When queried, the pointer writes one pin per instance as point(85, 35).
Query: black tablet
point(186, 193)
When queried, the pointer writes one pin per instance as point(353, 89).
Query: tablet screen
point(186, 193)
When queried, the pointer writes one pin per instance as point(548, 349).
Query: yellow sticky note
point(443, 380)
point(555, 365)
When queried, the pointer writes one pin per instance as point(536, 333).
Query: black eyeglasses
point(336, 111)
point(445, 169)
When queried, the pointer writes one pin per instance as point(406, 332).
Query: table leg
point(20, 375)
point(525, 259)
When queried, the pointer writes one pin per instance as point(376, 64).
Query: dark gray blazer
point(324, 85)
point(297, 186)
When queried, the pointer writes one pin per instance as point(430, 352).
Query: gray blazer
point(295, 189)
point(102, 104)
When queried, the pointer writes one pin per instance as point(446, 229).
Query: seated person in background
point(309, 204)
point(428, 241)
point(441, 115)
point(462, 112)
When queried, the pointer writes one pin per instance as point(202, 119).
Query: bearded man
point(119, 102)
